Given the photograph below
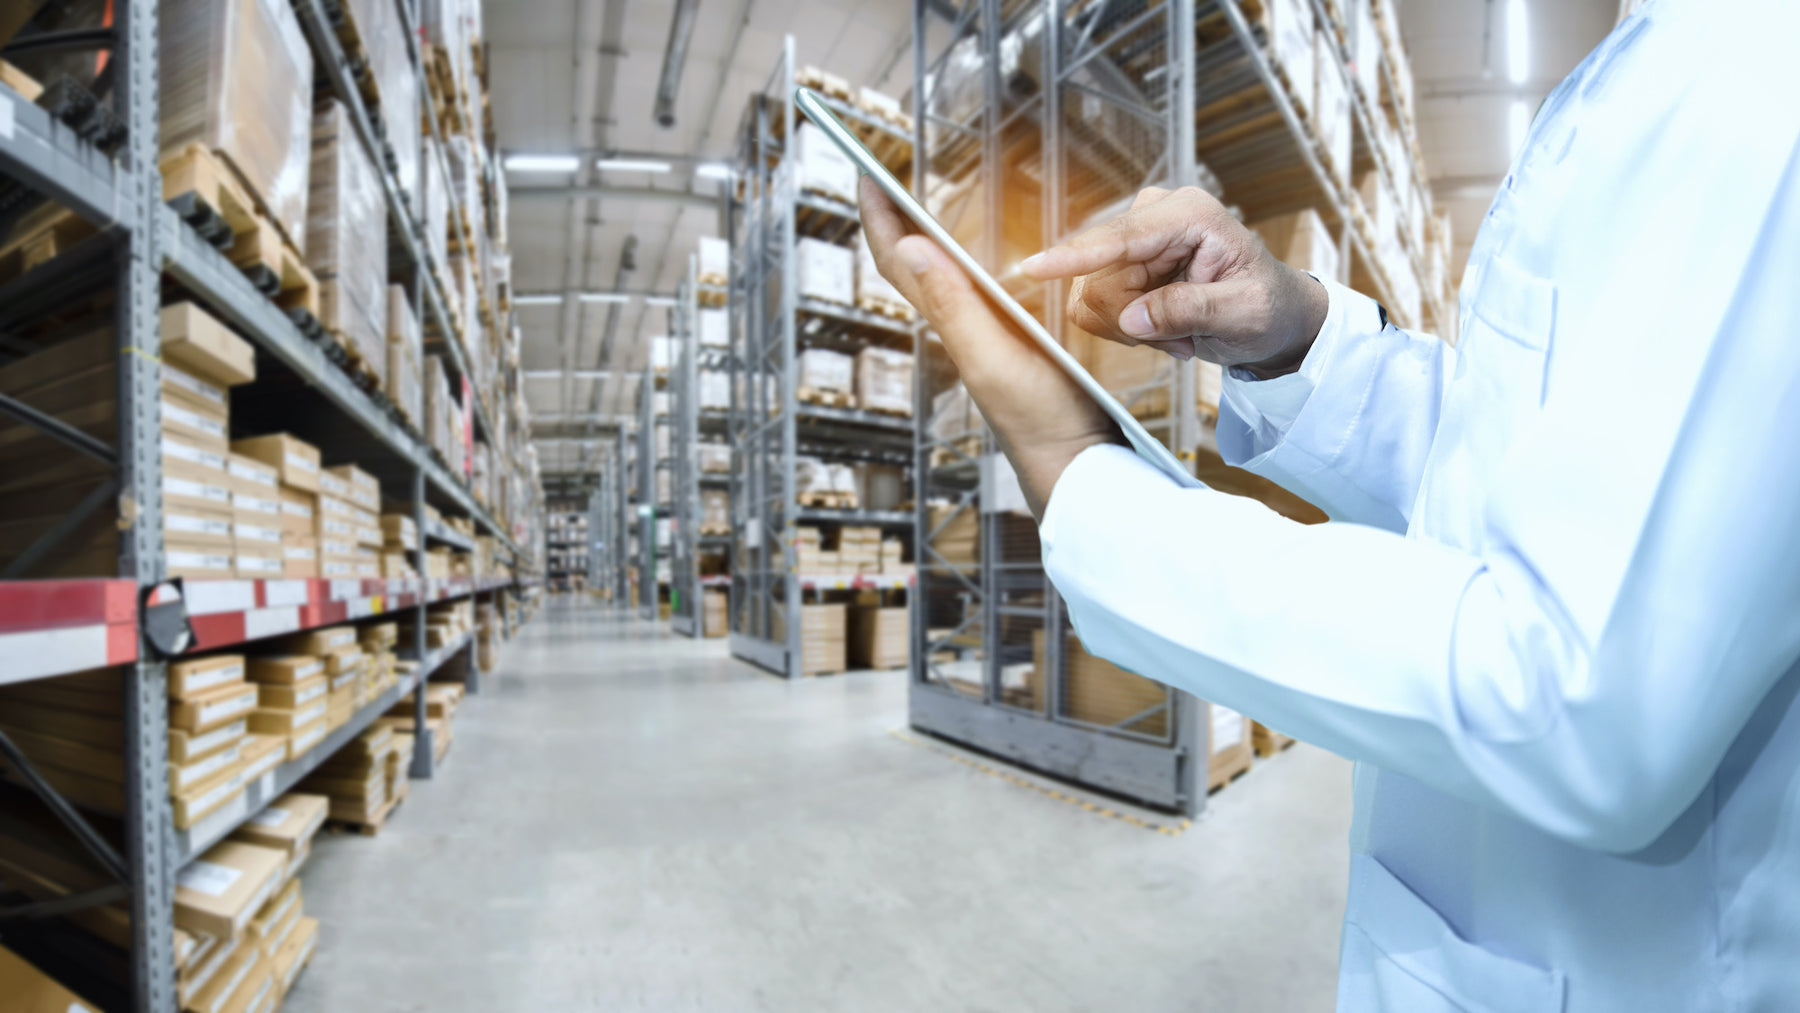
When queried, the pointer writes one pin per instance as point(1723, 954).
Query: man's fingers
point(1137, 235)
point(1218, 309)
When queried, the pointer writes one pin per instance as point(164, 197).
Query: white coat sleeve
point(1350, 431)
point(1635, 595)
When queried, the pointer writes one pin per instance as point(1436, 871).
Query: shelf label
point(362, 608)
point(284, 592)
point(267, 622)
point(208, 878)
point(206, 597)
point(342, 590)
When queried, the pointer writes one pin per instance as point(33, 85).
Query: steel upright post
point(423, 753)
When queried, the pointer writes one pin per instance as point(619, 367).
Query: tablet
point(1147, 446)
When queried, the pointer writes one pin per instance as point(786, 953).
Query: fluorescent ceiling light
point(1518, 42)
point(537, 300)
point(1518, 124)
point(605, 297)
point(631, 165)
point(712, 170)
point(658, 300)
point(542, 163)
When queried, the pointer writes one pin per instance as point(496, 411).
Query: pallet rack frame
point(649, 509)
point(769, 321)
point(74, 625)
point(684, 407)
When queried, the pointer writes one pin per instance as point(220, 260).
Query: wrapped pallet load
point(235, 78)
point(346, 239)
point(404, 351)
point(884, 381)
point(398, 89)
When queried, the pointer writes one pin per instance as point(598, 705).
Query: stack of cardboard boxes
point(877, 632)
point(381, 666)
point(210, 704)
point(293, 699)
point(362, 779)
point(75, 382)
point(295, 464)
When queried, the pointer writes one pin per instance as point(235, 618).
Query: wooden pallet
point(715, 531)
point(356, 54)
point(824, 82)
point(889, 410)
point(39, 237)
point(203, 188)
point(828, 500)
point(711, 299)
point(375, 823)
point(900, 311)
point(828, 398)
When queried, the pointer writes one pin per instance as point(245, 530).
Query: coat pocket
point(1398, 955)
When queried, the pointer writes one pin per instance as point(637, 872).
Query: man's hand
point(1041, 418)
point(1178, 272)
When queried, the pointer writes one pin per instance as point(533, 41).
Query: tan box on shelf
point(319, 642)
point(715, 613)
point(297, 510)
point(230, 968)
point(211, 494)
point(206, 428)
point(295, 460)
point(333, 485)
point(190, 807)
point(207, 710)
point(198, 529)
point(286, 824)
point(218, 892)
point(271, 926)
point(361, 487)
point(259, 564)
point(301, 740)
point(249, 475)
point(260, 991)
point(29, 990)
point(186, 747)
point(187, 459)
point(284, 669)
point(194, 340)
point(191, 676)
point(299, 556)
point(257, 532)
point(194, 563)
point(822, 639)
point(207, 771)
point(297, 952)
point(292, 696)
point(281, 721)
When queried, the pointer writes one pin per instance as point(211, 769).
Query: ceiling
point(580, 75)
point(545, 56)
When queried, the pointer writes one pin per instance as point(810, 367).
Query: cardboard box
point(333, 485)
point(281, 721)
point(211, 957)
point(190, 778)
point(187, 459)
point(286, 824)
point(292, 696)
point(251, 476)
point(284, 669)
point(260, 992)
point(297, 952)
point(204, 711)
point(301, 740)
point(822, 639)
point(198, 343)
point(272, 925)
point(188, 493)
point(319, 642)
point(297, 510)
point(190, 808)
point(190, 676)
point(1229, 745)
point(294, 460)
point(259, 564)
point(878, 636)
point(186, 747)
point(1098, 692)
point(300, 556)
point(29, 990)
point(399, 530)
point(190, 423)
point(231, 972)
point(197, 529)
point(218, 892)
point(826, 271)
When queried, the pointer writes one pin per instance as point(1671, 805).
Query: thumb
point(946, 295)
point(1182, 309)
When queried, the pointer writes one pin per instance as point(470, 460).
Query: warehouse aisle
point(631, 820)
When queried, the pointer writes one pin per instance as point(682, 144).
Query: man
point(1558, 620)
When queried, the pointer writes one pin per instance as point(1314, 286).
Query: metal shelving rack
point(624, 537)
point(649, 510)
point(684, 408)
point(769, 427)
point(600, 535)
point(988, 636)
point(1089, 103)
point(51, 628)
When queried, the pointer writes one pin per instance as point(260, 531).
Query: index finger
point(1137, 235)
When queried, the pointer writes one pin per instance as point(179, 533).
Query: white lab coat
point(1557, 616)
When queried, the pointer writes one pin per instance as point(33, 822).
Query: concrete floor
point(631, 820)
